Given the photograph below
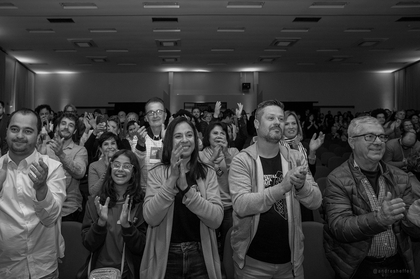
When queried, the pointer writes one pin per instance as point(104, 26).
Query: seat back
point(315, 264)
point(335, 161)
point(228, 257)
point(325, 157)
point(75, 254)
point(339, 151)
point(321, 171)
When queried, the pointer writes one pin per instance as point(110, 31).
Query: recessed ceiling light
point(231, 29)
point(99, 60)
point(244, 5)
point(294, 30)
point(358, 30)
point(77, 6)
point(268, 59)
point(160, 5)
point(83, 43)
point(60, 20)
point(328, 5)
point(222, 49)
point(166, 30)
point(275, 49)
point(65, 50)
point(170, 59)
point(168, 43)
point(328, 50)
point(407, 4)
point(284, 42)
point(7, 6)
point(103, 30)
point(117, 50)
point(169, 50)
point(40, 31)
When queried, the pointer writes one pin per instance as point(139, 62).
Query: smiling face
point(290, 127)
point(109, 147)
point(271, 124)
point(112, 127)
point(217, 136)
point(66, 128)
point(370, 152)
point(155, 119)
point(184, 135)
point(121, 170)
point(22, 134)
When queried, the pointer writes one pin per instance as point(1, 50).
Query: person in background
point(398, 150)
point(70, 108)
point(122, 117)
point(74, 159)
point(370, 210)
point(310, 127)
point(183, 209)
point(132, 138)
point(393, 123)
point(218, 154)
point(32, 193)
point(379, 114)
point(196, 112)
point(113, 224)
point(46, 114)
point(97, 170)
point(268, 181)
point(293, 136)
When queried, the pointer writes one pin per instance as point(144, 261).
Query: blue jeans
point(255, 269)
point(186, 261)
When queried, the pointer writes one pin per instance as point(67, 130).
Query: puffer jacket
point(351, 224)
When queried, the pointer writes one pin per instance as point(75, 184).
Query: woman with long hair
point(183, 208)
point(218, 154)
point(113, 227)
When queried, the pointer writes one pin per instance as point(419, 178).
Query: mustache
point(275, 126)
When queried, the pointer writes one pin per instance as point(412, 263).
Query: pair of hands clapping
point(102, 211)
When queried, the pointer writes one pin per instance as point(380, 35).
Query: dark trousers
point(390, 268)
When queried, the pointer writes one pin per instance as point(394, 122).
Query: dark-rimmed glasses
point(372, 137)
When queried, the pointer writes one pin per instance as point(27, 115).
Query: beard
point(66, 136)
point(272, 136)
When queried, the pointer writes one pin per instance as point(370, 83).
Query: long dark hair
point(197, 169)
point(133, 189)
point(210, 127)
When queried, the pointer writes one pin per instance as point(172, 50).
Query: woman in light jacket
point(183, 208)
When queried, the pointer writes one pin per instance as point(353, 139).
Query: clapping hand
point(391, 210)
point(125, 212)
point(238, 111)
point(141, 135)
point(177, 168)
point(315, 142)
point(3, 172)
point(102, 211)
point(56, 145)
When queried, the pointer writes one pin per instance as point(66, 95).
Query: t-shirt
point(271, 241)
point(186, 225)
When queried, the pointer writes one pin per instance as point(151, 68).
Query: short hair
point(70, 106)
point(356, 123)
point(267, 103)
point(288, 113)
point(98, 111)
point(196, 108)
point(115, 119)
point(69, 115)
point(375, 112)
point(130, 123)
point(154, 100)
point(41, 107)
point(25, 111)
point(106, 136)
point(132, 114)
point(183, 112)
point(210, 127)
point(227, 113)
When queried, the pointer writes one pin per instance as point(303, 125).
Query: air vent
point(307, 19)
point(170, 59)
point(284, 42)
point(164, 19)
point(83, 43)
point(60, 20)
point(168, 43)
point(409, 19)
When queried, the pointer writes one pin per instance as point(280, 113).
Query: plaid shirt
point(384, 244)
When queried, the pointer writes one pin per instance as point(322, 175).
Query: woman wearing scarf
point(292, 136)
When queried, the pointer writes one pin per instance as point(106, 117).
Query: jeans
point(186, 261)
point(223, 229)
point(255, 269)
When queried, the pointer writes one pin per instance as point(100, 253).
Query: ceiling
point(127, 37)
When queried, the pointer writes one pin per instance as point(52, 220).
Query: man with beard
point(268, 181)
point(370, 210)
point(32, 192)
point(74, 159)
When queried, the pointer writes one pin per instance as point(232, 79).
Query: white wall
point(365, 91)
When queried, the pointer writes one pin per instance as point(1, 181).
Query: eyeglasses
point(125, 166)
point(372, 137)
point(152, 113)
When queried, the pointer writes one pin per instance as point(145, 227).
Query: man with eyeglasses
point(370, 210)
point(399, 150)
point(150, 140)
